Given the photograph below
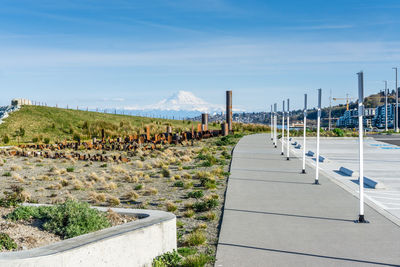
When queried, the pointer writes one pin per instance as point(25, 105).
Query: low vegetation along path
point(275, 216)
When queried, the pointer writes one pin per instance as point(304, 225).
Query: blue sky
point(129, 53)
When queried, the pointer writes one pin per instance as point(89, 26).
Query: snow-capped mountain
point(184, 100)
point(180, 104)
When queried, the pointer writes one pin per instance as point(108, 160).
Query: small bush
point(179, 184)
point(70, 169)
point(7, 174)
point(6, 139)
point(168, 259)
point(46, 140)
point(35, 139)
point(196, 194)
point(171, 207)
point(6, 242)
point(205, 205)
point(186, 251)
point(195, 238)
point(13, 198)
point(189, 213)
point(165, 172)
point(198, 260)
point(138, 187)
point(66, 220)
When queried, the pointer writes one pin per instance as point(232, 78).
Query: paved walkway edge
point(367, 201)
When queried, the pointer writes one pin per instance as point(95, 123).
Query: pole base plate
point(287, 158)
point(303, 171)
point(281, 153)
point(316, 182)
point(361, 219)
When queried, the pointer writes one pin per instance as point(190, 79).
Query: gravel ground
point(157, 179)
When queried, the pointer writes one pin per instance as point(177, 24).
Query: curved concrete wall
point(132, 244)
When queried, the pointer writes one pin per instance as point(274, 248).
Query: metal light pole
point(361, 218)
point(330, 110)
point(396, 126)
point(283, 124)
point(272, 129)
point(304, 133)
point(275, 125)
point(318, 126)
point(288, 129)
point(386, 109)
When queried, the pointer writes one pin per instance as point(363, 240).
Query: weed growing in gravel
point(196, 194)
point(195, 238)
point(205, 205)
point(70, 169)
point(6, 242)
point(196, 260)
point(171, 207)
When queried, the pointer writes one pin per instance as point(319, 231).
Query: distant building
point(350, 118)
point(379, 118)
point(20, 102)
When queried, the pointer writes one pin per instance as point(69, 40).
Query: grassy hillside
point(39, 124)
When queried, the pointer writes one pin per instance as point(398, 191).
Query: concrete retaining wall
point(132, 244)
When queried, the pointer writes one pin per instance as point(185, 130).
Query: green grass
point(67, 220)
point(56, 124)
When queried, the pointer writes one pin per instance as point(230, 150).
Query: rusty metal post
point(148, 132)
point(229, 110)
point(224, 129)
point(204, 121)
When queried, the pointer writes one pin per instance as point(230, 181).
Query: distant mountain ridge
point(180, 104)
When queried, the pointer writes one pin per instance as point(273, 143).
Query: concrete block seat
point(131, 244)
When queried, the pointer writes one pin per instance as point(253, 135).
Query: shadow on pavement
point(291, 215)
point(309, 254)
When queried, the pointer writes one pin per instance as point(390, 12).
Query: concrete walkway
point(275, 216)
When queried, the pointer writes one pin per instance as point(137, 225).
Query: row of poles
point(286, 113)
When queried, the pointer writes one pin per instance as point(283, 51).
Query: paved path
point(274, 216)
point(381, 164)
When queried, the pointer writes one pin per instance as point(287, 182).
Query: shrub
point(46, 140)
point(171, 207)
point(138, 187)
point(198, 260)
point(66, 220)
point(179, 184)
point(6, 139)
point(196, 194)
point(7, 174)
point(13, 198)
point(338, 132)
point(6, 242)
point(35, 139)
point(168, 259)
point(70, 169)
point(113, 201)
point(195, 238)
point(103, 165)
point(205, 205)
point(165, 172)
point(189, 214)
point(186, 251)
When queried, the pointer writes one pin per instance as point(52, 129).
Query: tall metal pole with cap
point(386, 109)
point(271, 123)
point(304, 133)
point(275, 125)
point(283, 124)
point(396, 127)
point(361, 218)
point(318, 130)
point(288, 129)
